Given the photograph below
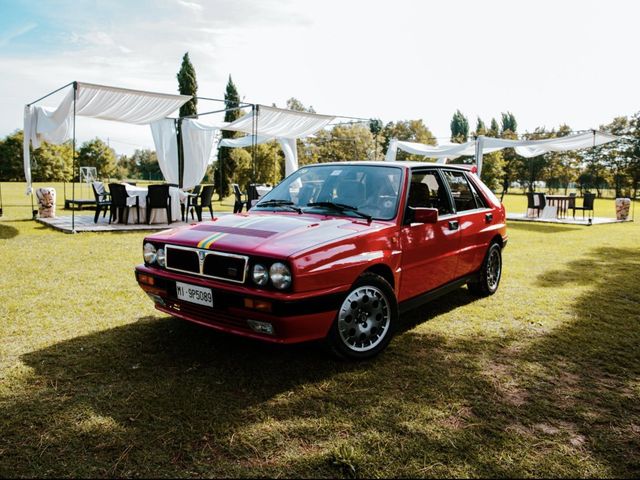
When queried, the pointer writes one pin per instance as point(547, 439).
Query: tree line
point(612, 166)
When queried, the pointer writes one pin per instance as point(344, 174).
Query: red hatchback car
point(335, 251)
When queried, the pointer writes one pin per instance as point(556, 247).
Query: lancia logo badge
point(201, 256)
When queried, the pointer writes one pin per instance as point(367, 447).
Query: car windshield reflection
point(363, 191)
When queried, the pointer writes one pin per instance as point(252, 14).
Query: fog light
point(261, 327)
point(156, 298)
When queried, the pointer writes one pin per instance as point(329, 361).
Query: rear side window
point(463, 197)
point(427, 191)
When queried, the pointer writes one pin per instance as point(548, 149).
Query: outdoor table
point(561, 202)
point(158, 215)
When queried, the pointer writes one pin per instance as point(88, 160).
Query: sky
point(547, 62)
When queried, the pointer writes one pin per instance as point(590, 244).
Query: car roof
point(402, 164)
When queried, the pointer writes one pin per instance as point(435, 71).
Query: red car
point(335, 251)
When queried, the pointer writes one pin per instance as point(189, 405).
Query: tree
point(144, 164)
point(481, 128)
point(494, 130)
point(633, 169)
point(187, 85)
point(410, 131)
point(96, 153)
point(375, 127)
point(341, 143)
point(227, 163)
point(459, 128)
point(509, 131)
point(11, 164)
point(52, 163)
point(297, 106)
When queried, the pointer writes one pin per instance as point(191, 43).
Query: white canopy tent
point(482, 145)
point(286, 126)
point(57, 125)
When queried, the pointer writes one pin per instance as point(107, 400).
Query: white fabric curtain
point(109, 103)
point(290, 150)
point(199, 141)
point(245, 141)
point(449, 150)
point(277, 122)
point(482, 145)
point(166, 141)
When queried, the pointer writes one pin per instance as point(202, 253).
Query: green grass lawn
point(540, 380)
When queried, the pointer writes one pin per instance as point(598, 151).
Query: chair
point(119, 203)
point(533, 205)
point(188, 206)
point(587, 204)
point(103, 199)
point(158, 198)
point(239, 203)
point(201, 201)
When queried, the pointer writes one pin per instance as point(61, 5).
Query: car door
point(428, 250)
point(473, 218)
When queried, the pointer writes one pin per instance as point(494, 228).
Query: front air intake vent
point(207, 263)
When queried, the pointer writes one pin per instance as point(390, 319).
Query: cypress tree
point(187, 85)
point(459, 128)
point(226, 164)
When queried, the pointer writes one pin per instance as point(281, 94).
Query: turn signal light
point(261, 305)
point(146, 279)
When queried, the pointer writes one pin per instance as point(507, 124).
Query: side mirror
point(423, 215)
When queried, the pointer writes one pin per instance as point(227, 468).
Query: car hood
point(270, 234)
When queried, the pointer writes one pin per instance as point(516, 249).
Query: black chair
point(239, 203)
point(158, 198)
point(531, 202)
point(187, 207)
point(103, 199)
point(203, 200)
point(587, 204)
point(119, 204)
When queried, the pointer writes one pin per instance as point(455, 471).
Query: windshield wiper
point(279, 203)
point(340, 207)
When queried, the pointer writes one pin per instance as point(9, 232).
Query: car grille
point(207, 263)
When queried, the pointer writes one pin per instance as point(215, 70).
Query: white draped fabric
point(284, 125)
point(109, 103)
point(277, 122)
point(290, 150)
point(482, 145)
point(199, 141)
point(166, 142)
point(245, 141)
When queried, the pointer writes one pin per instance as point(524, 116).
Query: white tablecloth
point(158, 215)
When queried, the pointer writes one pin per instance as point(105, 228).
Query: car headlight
point(160, 257)
point(260, 275)
point(280, 275)
point(149, 253)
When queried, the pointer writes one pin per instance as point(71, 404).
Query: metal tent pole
point(180, 152)
point(73, 184)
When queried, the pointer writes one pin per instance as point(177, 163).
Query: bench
point(80, 204)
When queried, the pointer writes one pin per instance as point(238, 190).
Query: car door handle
point(453, 225)
point(488, 217)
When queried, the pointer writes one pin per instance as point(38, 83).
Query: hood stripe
point(211, 239)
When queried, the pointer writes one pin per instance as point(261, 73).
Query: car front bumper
point(294, 319)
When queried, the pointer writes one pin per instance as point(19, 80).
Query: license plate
point(194, 294)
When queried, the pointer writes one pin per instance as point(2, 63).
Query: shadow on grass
point(7, 232)
point(161, 397)
point(540, 227)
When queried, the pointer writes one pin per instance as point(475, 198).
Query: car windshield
point(365, 191)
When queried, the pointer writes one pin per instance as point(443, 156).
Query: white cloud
point(8, 36)
point(191, 5)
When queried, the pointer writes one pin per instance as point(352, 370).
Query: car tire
point(365, 320)
point(490, 273)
